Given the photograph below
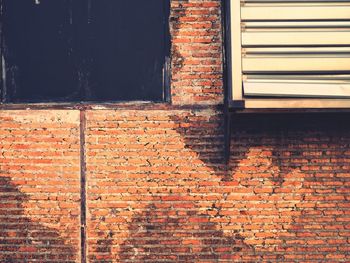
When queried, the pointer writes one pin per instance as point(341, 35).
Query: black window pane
point(39, 50)
point(127, 49)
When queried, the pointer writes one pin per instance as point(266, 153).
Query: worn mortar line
point(82, 186)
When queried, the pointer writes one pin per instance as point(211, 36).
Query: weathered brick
point(157, 187)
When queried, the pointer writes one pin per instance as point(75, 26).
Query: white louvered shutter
point(295, 48)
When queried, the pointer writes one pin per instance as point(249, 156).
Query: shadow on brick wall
point(23, 240)
point(283, 197)
point(287, 135)
point(178, 232)
point(104, 249)
point(300, 160)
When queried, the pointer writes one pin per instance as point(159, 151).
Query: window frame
point(81, 102)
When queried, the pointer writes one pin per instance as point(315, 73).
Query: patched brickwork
point(157, 188)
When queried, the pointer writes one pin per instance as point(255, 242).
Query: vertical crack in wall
point(82, 186)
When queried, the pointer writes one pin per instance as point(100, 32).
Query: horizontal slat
point(298, 78)
point(285, 38)
point(296, 103)
point(294, 64)
point(299, 11)
point(297, 50)
point(291, 88)
point(293, 1)
point(296, 24)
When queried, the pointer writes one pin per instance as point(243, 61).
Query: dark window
point(84, 50)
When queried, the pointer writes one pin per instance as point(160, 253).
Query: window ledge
point(132, 105)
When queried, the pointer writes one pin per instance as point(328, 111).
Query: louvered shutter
point(291, 48)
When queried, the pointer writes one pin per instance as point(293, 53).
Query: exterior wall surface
point(157, 188)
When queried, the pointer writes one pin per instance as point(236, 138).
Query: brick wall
point(157, 189)
point(39, 186)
